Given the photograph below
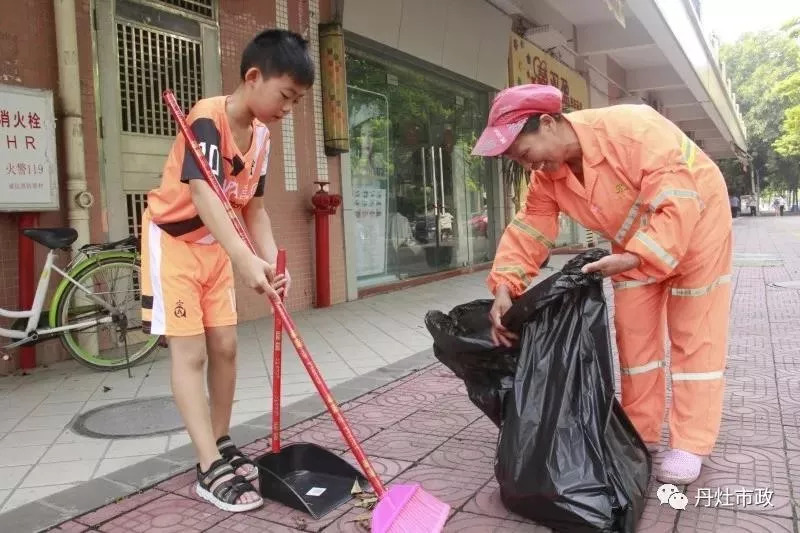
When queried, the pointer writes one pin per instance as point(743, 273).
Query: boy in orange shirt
point(190, 248)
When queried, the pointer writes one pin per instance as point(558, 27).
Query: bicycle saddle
point(53, 238)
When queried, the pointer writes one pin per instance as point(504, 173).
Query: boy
point(190, 247)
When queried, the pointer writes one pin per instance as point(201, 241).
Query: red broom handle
point(275, 301)
point(277, 341)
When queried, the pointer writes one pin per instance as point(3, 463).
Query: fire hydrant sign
point(28, 170)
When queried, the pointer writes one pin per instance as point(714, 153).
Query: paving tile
point(242, 523)
point(10, 476)
point(408, 398)
point(454, 487)
point(69, 527)
point(30, 438)
point(59, 453)
point(21, 456)
point(355, 520)
point(657, 518)
point(433, 383)
point(463, 455)
point(108, 466)
point(64, 472)
point(277, 513)
point(50, 409)
point(327, 435)
point(397, 444)
point(464, 522)
point(179, 482)
point(444, 423)
point(169, 513)
point(111, 511)
point(716, 520)
point(21, 496)
point(377, 416)
point(134, 447)
point(482, 430)
point(759, 432)
point(386, 469)
point(747, 469)
point(32, 423)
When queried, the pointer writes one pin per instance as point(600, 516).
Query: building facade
point(419, 80)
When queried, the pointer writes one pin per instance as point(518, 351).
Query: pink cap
point(510, 110)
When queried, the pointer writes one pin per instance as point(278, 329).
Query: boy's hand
point(255, 273)
point(286, 285)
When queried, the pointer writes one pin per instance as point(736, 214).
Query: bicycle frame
point(34, 314)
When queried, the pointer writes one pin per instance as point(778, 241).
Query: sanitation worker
point(633, 176)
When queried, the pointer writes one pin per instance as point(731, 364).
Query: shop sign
point(530, 64)
point(28, 170)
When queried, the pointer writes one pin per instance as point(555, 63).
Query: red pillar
point(27, 287)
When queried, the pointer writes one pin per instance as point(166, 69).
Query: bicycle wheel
point(115, 280)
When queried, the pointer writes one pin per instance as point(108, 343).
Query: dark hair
point(532, 125)
point(279, 52)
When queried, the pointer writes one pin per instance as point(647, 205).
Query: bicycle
point(93, 321)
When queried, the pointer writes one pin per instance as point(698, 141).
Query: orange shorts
point(186, 287)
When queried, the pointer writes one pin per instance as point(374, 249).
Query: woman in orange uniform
point(633, 176)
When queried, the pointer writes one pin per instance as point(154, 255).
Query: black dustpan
point(303, 476)
point(307, 477)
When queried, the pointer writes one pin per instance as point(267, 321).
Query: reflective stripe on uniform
point(697, 376)
point(532, 232)
point(688, 151)
point(649, 367)
point(517, 270)
point(626, 226)
point(673, 193)
point(702, 291)
point(632, 284)
point(656, 248)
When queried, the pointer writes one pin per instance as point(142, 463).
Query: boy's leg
point(219, 318)
point(172, 290)
point(221, 345)
point(188, 358)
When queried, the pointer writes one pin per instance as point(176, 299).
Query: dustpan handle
point(275, 301)
point(277, 339)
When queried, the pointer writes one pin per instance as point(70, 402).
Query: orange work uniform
point(651, 191)
point(187, 278)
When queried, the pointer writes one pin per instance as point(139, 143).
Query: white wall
point(469, 37)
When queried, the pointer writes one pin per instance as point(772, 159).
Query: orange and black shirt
point(242, 176)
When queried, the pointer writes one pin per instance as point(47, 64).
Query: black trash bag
point(567, 456)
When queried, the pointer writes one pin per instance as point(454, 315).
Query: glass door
point(421, 200)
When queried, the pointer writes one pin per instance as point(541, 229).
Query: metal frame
point(34, 314)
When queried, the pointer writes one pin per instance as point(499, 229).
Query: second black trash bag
point(567, 456)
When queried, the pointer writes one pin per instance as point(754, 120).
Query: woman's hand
point(502, 303)
point(614, 264)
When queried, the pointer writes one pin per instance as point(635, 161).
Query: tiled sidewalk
point(42, 456)
point(422, 427)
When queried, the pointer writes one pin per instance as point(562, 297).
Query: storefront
point(420, 200)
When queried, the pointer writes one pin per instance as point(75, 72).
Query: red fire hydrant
point(325, 205)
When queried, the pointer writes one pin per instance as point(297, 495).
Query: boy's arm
point(260, 227)
point(255, 272)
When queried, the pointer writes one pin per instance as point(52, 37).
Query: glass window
point(421, 200)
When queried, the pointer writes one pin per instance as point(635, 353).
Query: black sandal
point(226, 493)
point(235, 457)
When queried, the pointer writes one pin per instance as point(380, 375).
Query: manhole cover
point(786, 284)
point(134, 418)
point(756, 260)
